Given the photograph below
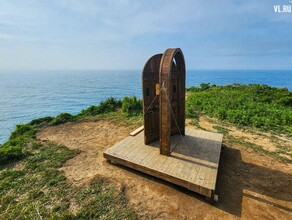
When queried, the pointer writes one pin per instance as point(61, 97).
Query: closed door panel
point(150, 79)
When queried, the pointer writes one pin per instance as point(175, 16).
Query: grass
point(31, 186)
point(118, 117)
point(36, 189)
point(259, 149)
point(284, 147)
point(254, 105)
point(221, 130)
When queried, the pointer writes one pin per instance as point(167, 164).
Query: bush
point(22, 131)
point(109, 105)
point(190, 112)
point(132, 106)
point(286, 101)
point(9, 153)
point(41, 121)
point(63, 118)
point(201, 88)
point(13, 148)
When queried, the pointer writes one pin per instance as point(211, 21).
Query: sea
point(25, 95)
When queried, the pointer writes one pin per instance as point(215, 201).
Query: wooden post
point(165, 111)
point(172, 97)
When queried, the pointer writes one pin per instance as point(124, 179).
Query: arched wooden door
point(172, 75)
point(150, 87)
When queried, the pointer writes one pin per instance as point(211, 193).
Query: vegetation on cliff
point(14, 149)
point(254, 105)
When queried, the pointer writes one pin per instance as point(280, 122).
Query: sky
point(123, 34)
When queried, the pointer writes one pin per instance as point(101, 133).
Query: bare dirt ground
point(250, 186)
point(268, 141)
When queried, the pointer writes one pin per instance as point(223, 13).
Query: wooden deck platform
point(193, 163)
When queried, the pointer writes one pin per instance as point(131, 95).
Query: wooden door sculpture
point(164, 98)
point(150, 81)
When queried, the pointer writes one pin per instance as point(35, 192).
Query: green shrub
point(63, 118)
point(132, 106)
point(90, 111)
point(286, 101)
point(22, 131)
point(109, 105)
point(201, 88)
point(13, 149)
point(41, 121)
point(190, 112)
point(9, 153)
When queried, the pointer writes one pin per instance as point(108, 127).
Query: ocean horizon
point(25, 95)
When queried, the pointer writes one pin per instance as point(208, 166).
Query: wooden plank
point(172, 166)
point(138, 130)
point(156, 157)
point(122, 147)
point(157, 165)
point(185, 171)
point(119, 144)
point(130, 150)
point(143, 152)
point(148, 158)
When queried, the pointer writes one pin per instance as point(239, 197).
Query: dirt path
point(249, 186)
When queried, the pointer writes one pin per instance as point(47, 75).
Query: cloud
point(122, 34)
